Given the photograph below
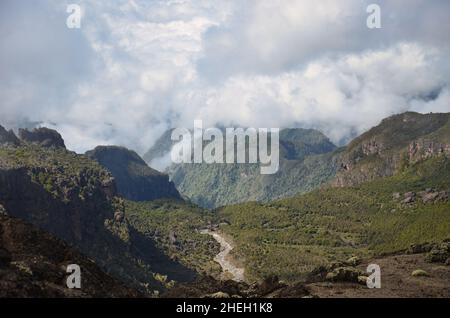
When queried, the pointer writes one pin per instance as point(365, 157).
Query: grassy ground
point(174, 226)
point(292, 236)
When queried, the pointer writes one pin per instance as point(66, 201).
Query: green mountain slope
point(309, 160)
point(396, 142)
point(305, 163)
point(293, 236)
point(174, 226)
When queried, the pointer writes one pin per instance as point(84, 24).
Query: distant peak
point(44, 137)
point(8, 137)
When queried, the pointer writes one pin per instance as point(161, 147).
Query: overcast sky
point(136, 68)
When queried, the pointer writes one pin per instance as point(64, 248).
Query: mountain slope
point(305, 163)
point(75, 199)
point(291, 237)
point(308, 160)
point(392, 145)
point(33, 263)
point(135, 180)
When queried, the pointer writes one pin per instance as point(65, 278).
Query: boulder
point(410, 197)
point(419, 248)
point(173, 238)
point(119, 216)
point(362, 280)
point(353, 261)
point(439, 253)
point(269, 284)
point(443, 196)
point(419, 273)
point(344, 274)
point(430, 197)
point(409, 200)
point(218, 295)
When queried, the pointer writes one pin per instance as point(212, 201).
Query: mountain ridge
point(215, 185)
point(134, 178)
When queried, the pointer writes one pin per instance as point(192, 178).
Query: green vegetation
point(80, 208)
point(292, 236)
point(393, 145)
point(57, 170)
point(174, 226)
point(306, 162)
point(153, 243)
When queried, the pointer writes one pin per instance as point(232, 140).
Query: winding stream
point(223, 257)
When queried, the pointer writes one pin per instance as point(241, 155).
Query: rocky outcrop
point(427, 196)
point(345, 274)
point(439, 253)
point(339, 272)
point(435, 252)
point(44, 137)
point(134, 178)
point(397, 142)
point(73, 209)
point(7, 137)
point(423, 149)
point(33, 264)
point(74, 198)
point(208, 287)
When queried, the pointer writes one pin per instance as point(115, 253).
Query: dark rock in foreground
point(33, 264)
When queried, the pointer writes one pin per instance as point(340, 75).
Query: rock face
point(397, 142)
point(44, 137)
point(73, 198)
point(69, 217)
point(135, 180)
point(8, 137)
point(33, 264)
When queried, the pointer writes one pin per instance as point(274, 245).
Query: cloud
point(340, 96)
point(40, 61)
point(136, 68)
point(273, 36)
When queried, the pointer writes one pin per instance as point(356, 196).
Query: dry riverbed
point(224, 257)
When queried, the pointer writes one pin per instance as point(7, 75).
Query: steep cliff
point(75, 199)
point(394, 144)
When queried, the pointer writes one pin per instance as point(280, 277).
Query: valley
point(330, 212)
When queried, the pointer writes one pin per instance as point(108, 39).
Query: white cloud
point(137, 67)
point(340, 96)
